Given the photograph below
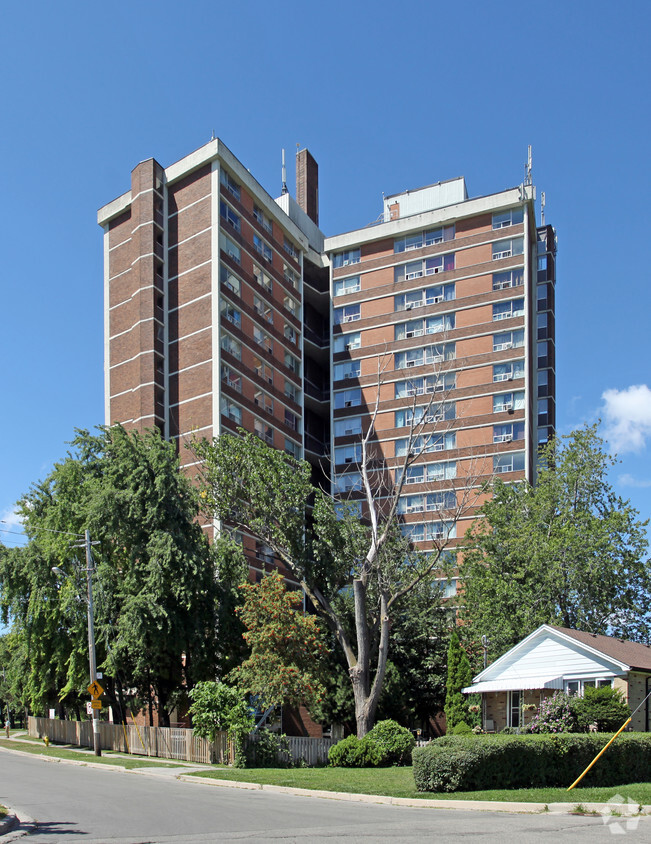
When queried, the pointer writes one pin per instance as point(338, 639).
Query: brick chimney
point(307, 184)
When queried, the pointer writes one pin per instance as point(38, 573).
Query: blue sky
point(387, 97)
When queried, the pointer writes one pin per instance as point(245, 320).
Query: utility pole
point(97, 747)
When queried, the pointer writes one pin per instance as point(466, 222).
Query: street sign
point(96, 704)
point(95, 689)
point(89, 707)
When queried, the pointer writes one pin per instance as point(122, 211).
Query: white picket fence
point(165, 742)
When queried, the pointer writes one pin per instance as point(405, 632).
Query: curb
point(511, 807)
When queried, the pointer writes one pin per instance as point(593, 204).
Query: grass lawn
point(399, 782)
point(107, 757)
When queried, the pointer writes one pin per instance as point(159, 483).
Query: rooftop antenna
point(212, 137)
point(283, 189)
point(527, 168)
point(542, 208)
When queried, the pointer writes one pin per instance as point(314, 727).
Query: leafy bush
point(471, 763)
point(555, 715)
point(352, 752)
point(265, 749)
point(393, 741)
point(461, 729)
point(603, 707)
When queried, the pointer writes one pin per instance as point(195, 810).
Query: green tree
point(217, 707)
point(287, 646)
point(567, 551)
point(459, 677)
point(157, 580)
point(355, 572)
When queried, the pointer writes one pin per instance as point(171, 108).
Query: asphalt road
point(81, 804)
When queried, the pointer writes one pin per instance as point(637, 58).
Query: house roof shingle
point(636, 655)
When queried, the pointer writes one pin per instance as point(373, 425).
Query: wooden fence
point(165, 742)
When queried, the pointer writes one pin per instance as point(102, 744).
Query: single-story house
point(556, 658)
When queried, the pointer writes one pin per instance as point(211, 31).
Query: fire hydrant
point(46, 741)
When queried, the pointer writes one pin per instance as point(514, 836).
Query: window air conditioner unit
point(348, 403)
point(410, 276)
point(345, 263)
point(437, 299)
point(410, 363)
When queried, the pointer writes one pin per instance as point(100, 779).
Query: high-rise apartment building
point(225, 308)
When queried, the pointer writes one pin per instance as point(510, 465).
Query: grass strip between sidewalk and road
point(107, 757)
point(399, 782)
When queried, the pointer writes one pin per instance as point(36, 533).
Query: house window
point(512, 462)
point(232, 346)
point(506, 310)
point(344, 286)
point(231, 410)
point(229, 280)
point(229, 215)
point(508, 371)
point(508, 218)
point(578, 687)
point(343, 259)
point(262, 278)
point(515, 699)
point(350, 369)
point(508, 401)
point(508, 433)
point(229, 183)
point(262, 218)
point(262, 247)
point(230, 248)
point(426, 296)
point(346, 342)
point(508, 248)
point(508, 340)
point(348, 454)
point(348, 398)
point(510, 278)
point(348, 427)
point(349, 313)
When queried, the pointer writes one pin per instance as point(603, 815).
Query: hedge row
point(473, 763)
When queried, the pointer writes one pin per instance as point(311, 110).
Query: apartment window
point(263, 401)
point(510, 278)
point(427, 296)
point(543, 297)
point(419, 327)
point(542, 379)
point(292, 306)
point(429, 354)
point(349, 313)
point(289, 247)
point(508, 371)
point(231, 410)
point(344, 286)
point(426, 238)
point(351, 508)
point(432, 502)
point(229, 215)
point(508, 309)
point(348, 398)
point(229, 280)
point(263, 370)
point(350, 369)
point(291, 420)
point(508, 340)
point(292, 392)
point(508, 433)
point(262, 247)
point(508, 248)
point(264, 553)
point(427, 444)
point(429, 532)
point(262, 278)
point(231, 313)
point(290, 276)
point(444, 471)
point(508, 401)
point(447, 588)
point(508, 218)
point(343, 259)
point(348, 454)
point(263, 309)
point(426, 266)
point(290, 333)
point(293, 448)
point(292, 363)
point(542, 352)
point(511, 462)
point(230, 248)
point(427, 384)
point(348, 427)
point(541, 326)
point(232, 346)
point(229, 183)
point(264, 431)
point(262, 218)
point(262, 339)
point(424, 415)
point(543, 411)
point(348, 482)
point(346, 342)
point(232, 378)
